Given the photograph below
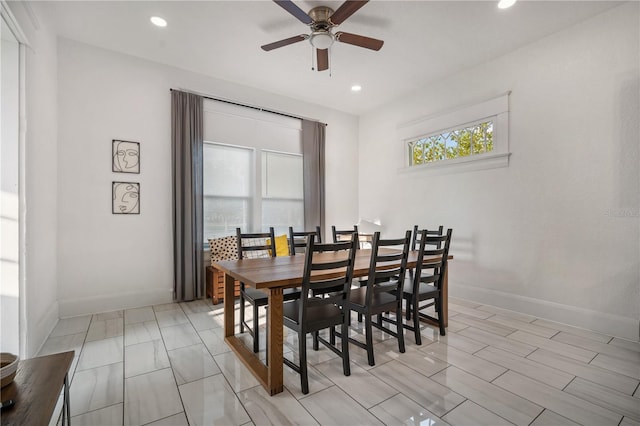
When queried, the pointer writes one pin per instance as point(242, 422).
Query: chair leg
point(332, 336)
point(316, 342)
point(408, 305)
point(359, 317)
point(346, 368)
point(416, 321)
point(440, 319)
point(369, 338)
point(256, 328)
point(241, 313)
point(400, 327)
point(302, 353)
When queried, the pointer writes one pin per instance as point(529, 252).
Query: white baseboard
point(610, 324)
point(113, 302)
point(38, 333)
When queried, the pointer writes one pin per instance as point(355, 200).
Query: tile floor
point(168, 365)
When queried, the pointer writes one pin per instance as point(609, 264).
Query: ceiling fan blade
point(291, 7)
point(323, 59)
point(285, 42)
point(347, 9)
point(358, 40)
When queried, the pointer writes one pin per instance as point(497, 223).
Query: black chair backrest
point(381, 278)
point(415, 240)
point(344, 235)
point(256, 242)
point(299, 239)
point(337, 289)
point(432, 256)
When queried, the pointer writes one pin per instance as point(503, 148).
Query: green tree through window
point(462, 142)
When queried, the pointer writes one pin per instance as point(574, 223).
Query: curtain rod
point(248, 106)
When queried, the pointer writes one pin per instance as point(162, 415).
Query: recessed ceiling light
point(158, 21)
point(356, 88)
point(503, 4)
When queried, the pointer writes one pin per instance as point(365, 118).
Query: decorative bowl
point(8, 368)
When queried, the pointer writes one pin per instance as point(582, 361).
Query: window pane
point(416, 152)
point(227, 170)
point(222, 215)
point(461, 142)
point(281, 214)
point(281, 175)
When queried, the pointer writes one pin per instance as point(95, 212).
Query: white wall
point(556, 234)
point(39, 258)
point(9, 193)
point(106, 261)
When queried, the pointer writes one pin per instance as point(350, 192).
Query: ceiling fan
point(321, 20)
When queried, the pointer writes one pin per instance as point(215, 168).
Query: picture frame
point(125, 197)
point(125, 156)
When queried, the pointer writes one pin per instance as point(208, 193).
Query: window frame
point(255, 199)
point(495, 110)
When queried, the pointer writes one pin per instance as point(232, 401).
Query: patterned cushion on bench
point(225, 248)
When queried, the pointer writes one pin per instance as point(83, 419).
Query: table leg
point(271, 376)
point(229, 308)
point(275, 342)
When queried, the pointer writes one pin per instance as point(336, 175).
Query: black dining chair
point(382, 292)
point(345, 234)
point(310, 314)
point(415, 244)
point(431, 265)
point(415, 239)
point(255, 245)
point(298, 240)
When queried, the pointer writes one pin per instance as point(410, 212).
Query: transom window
point(462, 139)
point(454, 143)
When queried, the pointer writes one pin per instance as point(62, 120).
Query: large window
point(252, 189)
point(252, 170)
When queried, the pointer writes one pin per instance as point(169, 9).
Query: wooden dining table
point(273, 275)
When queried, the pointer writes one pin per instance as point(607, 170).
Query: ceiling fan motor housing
point(320, 16)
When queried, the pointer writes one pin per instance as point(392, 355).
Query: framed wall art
point(125, 198)
point(125, 156)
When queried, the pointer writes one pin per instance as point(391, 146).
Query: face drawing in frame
point(126, 156)
point(126, 198)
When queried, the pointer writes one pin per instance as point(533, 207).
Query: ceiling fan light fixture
point(321, 39)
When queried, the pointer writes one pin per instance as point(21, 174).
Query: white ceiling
point(424, 41)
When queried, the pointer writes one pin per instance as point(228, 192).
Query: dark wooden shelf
point(35, 389)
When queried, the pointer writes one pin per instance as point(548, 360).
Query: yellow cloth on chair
point(282, 245)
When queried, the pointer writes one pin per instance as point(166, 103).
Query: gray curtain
point(313, 135)
point(186, 144)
